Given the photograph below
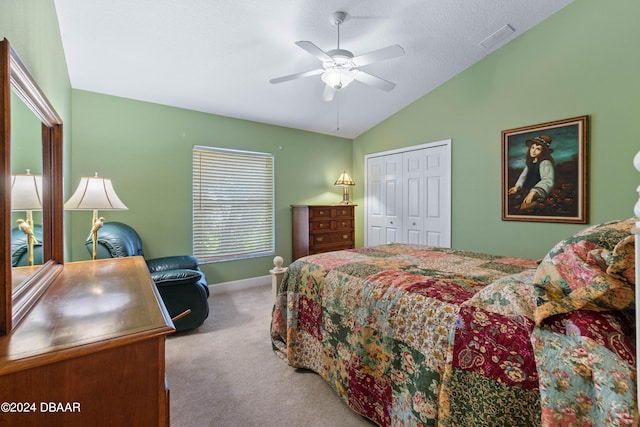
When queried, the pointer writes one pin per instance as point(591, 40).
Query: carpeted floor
point(226, 374)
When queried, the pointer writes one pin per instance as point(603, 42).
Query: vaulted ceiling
point(219, 56)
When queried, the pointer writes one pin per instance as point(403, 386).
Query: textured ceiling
point(218, 56)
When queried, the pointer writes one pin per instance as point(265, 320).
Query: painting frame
point(556, 188)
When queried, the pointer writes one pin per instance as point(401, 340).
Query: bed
point(412, 335)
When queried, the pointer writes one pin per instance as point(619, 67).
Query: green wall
point(146, 151)
point(26, 146)
point(581, 61)
point(31, 26)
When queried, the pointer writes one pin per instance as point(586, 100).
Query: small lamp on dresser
point(345, 181)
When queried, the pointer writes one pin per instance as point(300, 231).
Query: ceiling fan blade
point(372, 80)
point(378, 55)
point(328, 93)
point(296, 76)
point(314, 50)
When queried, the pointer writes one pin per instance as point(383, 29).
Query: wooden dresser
point(91, 352)
point(322, 228)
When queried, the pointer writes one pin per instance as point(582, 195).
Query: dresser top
point(90, 304)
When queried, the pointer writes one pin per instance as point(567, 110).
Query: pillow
point(587, 271)
point(175, 277)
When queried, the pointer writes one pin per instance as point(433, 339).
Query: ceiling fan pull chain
point(338, 111)
point(338, 22)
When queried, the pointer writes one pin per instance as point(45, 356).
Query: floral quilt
point(412, 335)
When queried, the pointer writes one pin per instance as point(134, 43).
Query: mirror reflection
point(31, 282)
point(26, 190)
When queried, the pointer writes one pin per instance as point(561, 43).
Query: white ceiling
point(217, 56)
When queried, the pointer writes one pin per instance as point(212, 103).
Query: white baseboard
point(237, 285)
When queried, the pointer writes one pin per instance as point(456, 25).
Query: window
point(233, 212)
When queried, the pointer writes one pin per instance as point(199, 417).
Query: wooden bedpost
point(276, 275)
point(636, 231)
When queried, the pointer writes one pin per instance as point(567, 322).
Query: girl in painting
point(538, 176)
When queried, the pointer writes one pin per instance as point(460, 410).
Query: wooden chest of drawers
point(322, 228)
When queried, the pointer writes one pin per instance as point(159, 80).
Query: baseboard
point(237, 285)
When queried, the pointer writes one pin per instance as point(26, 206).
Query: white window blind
point(233, 208)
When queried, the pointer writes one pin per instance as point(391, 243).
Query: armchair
point(180, 282)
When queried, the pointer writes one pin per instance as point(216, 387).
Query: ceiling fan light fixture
point(340, 66)
point(337, 78)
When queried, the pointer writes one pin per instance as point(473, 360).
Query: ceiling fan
point(340, 67)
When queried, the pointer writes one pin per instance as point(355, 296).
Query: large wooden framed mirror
point(23, 286)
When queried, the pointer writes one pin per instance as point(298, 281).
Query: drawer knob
point(344, 224)
point(320, 239)
point(345, 236)
point(321, 212)
point(321, 225)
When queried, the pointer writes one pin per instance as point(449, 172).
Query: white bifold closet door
point(383, 202)
point(408, 196)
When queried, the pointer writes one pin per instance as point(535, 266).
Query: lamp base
point(345, 196)
point(96, 224)
point(27, 229)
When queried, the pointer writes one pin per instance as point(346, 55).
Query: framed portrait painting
point(544, 175)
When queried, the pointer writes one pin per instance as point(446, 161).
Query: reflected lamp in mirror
point(26, 195)
point(93, 194)
point(345, 181)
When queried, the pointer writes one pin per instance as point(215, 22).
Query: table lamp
point(95, 193)
point(26, 195)
point(345, 180)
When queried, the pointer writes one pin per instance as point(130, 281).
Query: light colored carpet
point(226, 374)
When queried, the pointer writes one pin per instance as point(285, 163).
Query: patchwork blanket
point(411, 335)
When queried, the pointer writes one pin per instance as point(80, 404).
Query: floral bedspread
point(412, 335)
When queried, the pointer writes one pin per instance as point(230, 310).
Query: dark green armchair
point(180, 282)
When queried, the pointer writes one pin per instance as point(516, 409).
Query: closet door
point(437, 196)
point(384, 199)
point(408, 196)
point(414, 201)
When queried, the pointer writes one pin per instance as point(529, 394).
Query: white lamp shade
point(26, 192)
point(95, 193)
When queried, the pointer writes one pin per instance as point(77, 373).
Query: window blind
point(233, 204)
